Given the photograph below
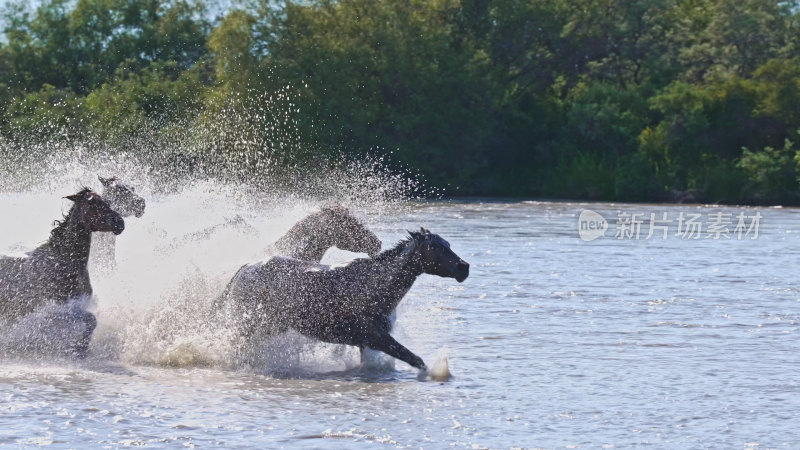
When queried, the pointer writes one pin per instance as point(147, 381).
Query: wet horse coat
point(347, 304)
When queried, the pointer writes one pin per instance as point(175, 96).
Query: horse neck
point(395, 272)
point(70, 241)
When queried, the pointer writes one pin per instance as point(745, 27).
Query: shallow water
point(552, 341)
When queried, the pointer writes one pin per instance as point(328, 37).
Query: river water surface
point(552, 342)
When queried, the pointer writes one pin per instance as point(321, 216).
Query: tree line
point(637, 100)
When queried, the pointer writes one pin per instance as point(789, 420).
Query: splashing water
point(209, 211)
point(155, 308)
point(440, 370)
point(46, 333)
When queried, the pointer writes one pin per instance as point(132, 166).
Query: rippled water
point(552, 342)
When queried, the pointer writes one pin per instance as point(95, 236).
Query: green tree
point(80, 45)
point(231, 46)
point(604, 99)
point(158, 95)
point(773, 173)
point(730, 36)
point(52, 112)
point(390, 75)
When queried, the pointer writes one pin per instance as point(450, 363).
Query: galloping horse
point(56, 271)
point(123, 199)
point(347, 304)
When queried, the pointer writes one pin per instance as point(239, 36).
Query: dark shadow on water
point(368, 374)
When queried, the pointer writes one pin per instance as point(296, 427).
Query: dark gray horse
point(56, 272)
point(348, 304)
point(123, 199)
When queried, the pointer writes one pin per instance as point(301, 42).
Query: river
point(552, 342)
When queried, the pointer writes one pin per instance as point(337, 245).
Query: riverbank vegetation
point(636, 100)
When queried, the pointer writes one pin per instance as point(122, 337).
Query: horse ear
point(104, 181)
point(74, 197)
point(424, 231)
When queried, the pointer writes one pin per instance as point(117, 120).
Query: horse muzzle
point(117, 226)
point(462, 271)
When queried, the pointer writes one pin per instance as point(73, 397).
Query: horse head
point(348, 233)
point(434, 256)
point(122, 197)
point(95, 214)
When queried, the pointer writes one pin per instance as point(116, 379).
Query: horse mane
point(59, 226)
point(398, 248)
point(392, 252)
point(84, 190)
point(381, 257)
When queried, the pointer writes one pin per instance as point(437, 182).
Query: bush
point(772, 173)
point(636, 180)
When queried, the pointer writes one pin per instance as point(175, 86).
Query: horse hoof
point(422, 375)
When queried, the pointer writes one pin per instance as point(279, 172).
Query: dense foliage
point(595, 99)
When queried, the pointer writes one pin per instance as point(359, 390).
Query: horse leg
point(384, 325)
point(89, 322)
point(390, 320)
point(381, 340)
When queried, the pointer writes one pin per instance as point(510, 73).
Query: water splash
point(440, 370)
point(238, 162)
point(48, 333)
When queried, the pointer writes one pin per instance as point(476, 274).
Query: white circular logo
point(591, 225)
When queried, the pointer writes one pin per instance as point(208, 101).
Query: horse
point(348, 304)
point(123, 199)
point(56, 271)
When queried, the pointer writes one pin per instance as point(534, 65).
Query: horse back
point(12, 270)
point(287, 268)
point(13, 283)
